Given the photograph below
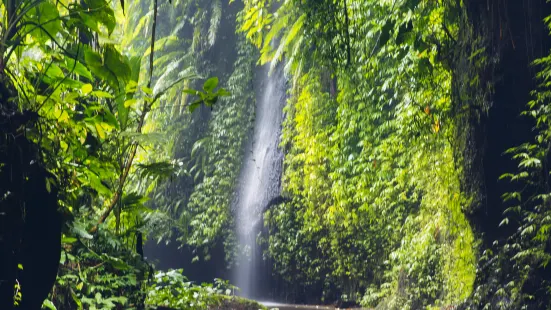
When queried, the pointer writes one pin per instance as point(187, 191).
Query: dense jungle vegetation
point(416, 140)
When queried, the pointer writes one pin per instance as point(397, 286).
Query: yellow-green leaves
point(368, 163)
point(77, 67)
point(210, 84)
point(102, 94)
point(257, 19)
point(99, 130)
point(110, 66)
point(98, 15)
point(130, 103)
point(86, 89)
point(43, 22)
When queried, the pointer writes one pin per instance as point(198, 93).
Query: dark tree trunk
point(30, 225)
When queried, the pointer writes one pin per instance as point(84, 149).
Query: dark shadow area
point(166, 257)
point(520, 37)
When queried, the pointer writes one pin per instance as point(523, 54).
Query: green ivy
point(377, 210)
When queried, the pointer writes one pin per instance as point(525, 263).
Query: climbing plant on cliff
point(377, 208)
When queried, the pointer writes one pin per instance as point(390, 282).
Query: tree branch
point(134, 147)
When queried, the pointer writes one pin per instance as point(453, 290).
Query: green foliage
point(208, 97)
point(373, 140)
point(93, 101)
point(208, 146)
point(110, 280)
point(377, 207)
point(172, 289)
point(211, 200)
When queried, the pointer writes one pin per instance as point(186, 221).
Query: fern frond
point(143, 22)
point(291, 64)
point(276, 27)
point(214, 21)
point(168, 79)
point(170, 71)
point(156, 170)
point(289, 37)
point(163, 43)
point(179, 26)
point(296, 29)
point(164, 60)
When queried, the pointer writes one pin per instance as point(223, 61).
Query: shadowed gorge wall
point(515, 41)
point(514, 36)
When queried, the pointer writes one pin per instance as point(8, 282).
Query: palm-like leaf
point(216, 14)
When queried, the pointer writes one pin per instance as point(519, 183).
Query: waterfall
point(259, 180)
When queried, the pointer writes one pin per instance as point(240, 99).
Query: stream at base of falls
point(274, 305)
point(282, 306)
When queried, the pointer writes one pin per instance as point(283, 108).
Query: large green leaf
point(210, 84)
point(116, 63)
point(77, 68)
point(98, 67)
point(43, 22)
point(115, 262)
point(99, 11)
point(48, 304)
point(95, 182)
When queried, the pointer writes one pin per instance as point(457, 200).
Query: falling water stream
point(259, 181)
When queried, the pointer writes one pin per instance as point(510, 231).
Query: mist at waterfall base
point(258, 183)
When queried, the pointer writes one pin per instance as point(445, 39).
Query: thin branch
point(134, 146)
point(152, 43)
point(447, 31)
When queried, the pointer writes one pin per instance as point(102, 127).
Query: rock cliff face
point(514, 35)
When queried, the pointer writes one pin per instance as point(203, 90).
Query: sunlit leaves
point(98, 14)
point(256, 20)
point(88, 96)
point(210, 84)
point(43, 23)
point(130, 103)
point(173, 289)
point(86, 89)
point(49, 305)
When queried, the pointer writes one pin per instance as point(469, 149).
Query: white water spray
point(259, 180)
